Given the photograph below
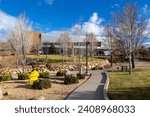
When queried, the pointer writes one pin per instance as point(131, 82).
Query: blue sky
point(56, 15)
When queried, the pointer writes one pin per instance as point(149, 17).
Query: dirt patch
point(21, 90)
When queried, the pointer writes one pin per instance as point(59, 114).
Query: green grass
point(130, 87)
point(58, 58)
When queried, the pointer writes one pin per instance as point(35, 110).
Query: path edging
point(106, 86)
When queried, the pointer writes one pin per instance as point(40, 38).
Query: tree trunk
point(80, 64)
point(130, 64)
point(111, 59)
point(133, 60)
point(17, 63)
point(92, 57)
point(62, 61)
point(24, 63)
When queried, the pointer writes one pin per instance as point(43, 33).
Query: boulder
point(67, 72)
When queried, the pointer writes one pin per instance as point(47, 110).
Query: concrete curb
point(106, 86)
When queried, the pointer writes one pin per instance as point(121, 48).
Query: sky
point(53, 16)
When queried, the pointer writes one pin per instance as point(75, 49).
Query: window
point(39, 36)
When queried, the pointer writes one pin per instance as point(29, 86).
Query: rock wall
point(75, 67)
point(56, 67)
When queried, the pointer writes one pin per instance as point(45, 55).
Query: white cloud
point(49, 2)
point(146, 10)
point(147, 44)
point(148, 28)
point(51, 36)
point(95, 19)
point(115, 6)
point(7, 22)
point(92, 26)
point(76, 29)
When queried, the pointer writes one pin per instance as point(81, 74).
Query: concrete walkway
point(92, 89)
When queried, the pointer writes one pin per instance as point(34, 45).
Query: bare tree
point(76, 34)
point(109, 42)
point(77, 39)
point(112, 44)
point(129, 29)
point(37, 46)
point(91, 38)
point(20, 39)
point(65, 43)
point(143, 52)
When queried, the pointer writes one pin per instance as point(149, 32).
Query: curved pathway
point(92, 89)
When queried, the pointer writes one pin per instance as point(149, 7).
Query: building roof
point(53, 38)
point(4, 46)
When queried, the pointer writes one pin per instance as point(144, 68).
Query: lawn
point(58, 58)
point(130, 87)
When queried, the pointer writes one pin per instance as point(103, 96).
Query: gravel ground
point(21, 90)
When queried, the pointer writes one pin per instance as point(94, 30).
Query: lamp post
point(80, 59)
point(62, 52)
point(46, 50)
point(87, 43)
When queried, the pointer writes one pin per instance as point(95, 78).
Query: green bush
point(69, 79)
point(44, 75)
point(61, 73)
point(80, 76)
point(23, 76)
point(5, 77)
point(41, 84)
point(1, 78)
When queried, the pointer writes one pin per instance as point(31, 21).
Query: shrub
point(5, 77)
point(41, 84)
point(1, 78)
point(23, 76)
point(80, 76)
point(61, 73)
point(44, 75)
point(69, 79)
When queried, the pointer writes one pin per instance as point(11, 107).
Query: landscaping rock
point(67, 72)
point(56, 67)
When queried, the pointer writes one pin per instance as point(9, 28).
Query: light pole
point(80, 59)
point(62, 52)
point(46, 50)
point(87, 43)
